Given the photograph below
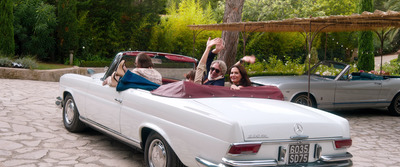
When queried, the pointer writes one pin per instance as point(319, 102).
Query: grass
point(47, 66)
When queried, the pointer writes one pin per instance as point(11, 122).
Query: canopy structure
point(379, 22)
point(340, 23)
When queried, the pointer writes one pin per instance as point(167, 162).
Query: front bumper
point(333, 160)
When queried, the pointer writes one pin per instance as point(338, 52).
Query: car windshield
point(327, 69)
point(168, 67)
point(172, 67)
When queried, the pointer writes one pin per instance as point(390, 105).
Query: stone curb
point(43, 75)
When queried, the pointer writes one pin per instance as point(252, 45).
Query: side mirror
point(350, 77)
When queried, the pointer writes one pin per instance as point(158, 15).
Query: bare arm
point(249, 59)
point(201, 67)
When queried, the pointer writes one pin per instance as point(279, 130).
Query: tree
point(392, 5)
point(6, 27)
point(172, 34)
point(233, 13)
point(67, 27)
point(366, 41)
point(34, 27)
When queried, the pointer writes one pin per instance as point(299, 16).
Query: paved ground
point(32, 134)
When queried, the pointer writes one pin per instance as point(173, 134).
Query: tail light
point(244, 148)
point(343, 143)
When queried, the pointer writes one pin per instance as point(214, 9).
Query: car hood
point(277, 80)
point(263, 119)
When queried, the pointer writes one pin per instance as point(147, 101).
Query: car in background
point(333, 86)
point(185, 124)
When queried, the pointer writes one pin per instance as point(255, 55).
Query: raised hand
point(249, 59)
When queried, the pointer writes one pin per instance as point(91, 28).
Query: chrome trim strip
point(250, 163)
point(205, 163)
point(110, 132)
point(376, 102)
point(332, 158)
point(295, 141)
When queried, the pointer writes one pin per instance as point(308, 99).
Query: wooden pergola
point(380, 22)
point(340, 23)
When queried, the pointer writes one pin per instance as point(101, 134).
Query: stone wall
point(42, 75)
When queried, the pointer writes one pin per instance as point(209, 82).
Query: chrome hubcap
point(302, 100)
point(157, 155)
point(69, 111)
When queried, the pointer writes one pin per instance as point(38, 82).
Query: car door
point(357, 93)
point(103, 104)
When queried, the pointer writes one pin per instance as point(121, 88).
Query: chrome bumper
point(59, 102)
point(332, 160)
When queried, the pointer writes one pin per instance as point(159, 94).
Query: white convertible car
point(184, 124)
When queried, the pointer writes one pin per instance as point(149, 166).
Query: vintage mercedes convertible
point(184, 124)
point(333, 85)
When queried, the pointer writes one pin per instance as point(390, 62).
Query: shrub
point(101, 63)
point(27, 62)
point(393, 68)
point(5, 62)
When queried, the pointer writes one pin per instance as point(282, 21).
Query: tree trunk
point(233, 13)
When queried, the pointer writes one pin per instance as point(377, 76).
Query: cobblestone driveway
point(32, 134)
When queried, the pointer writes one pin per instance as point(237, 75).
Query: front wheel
point(159, 154)
point(71, 116)
point(394, 107)
point(303, 99)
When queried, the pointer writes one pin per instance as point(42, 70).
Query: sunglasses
point(214, 69)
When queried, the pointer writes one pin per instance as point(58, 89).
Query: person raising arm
point(215, 70)
point(238, 74)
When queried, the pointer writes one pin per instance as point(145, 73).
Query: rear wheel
point(303, 99)
point(71, 116)
point(394, 107)
point(159, 154)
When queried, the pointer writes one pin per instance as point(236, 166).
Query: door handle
point(118, 100)
point(378, 83)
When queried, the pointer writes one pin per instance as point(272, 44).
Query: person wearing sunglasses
point(210, 71)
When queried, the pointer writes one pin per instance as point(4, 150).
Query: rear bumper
point(334, 160)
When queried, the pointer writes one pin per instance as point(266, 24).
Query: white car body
point(201, 131)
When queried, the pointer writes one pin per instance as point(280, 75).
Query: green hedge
point(94, 63)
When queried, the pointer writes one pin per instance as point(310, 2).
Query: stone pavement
point(32, 134)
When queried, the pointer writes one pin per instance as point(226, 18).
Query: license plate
point(299, 153)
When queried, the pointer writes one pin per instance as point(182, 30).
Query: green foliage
point(5, 61)
point(34, 24)
point(263, 10)
point(265, 45)
point(314, 57)
point(393, 67)
point(67, 29)
point(6, 27)
point(275, 66)
point(107, 27)
point(27, 62)
point(366, 41)
point(94, 63)
point(172, 34)
point(393, 5)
